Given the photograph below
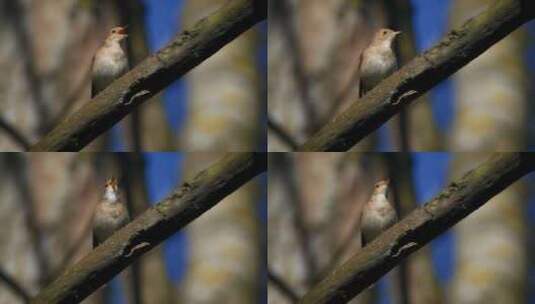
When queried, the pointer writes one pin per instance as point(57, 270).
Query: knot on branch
point(138, 247)
point(138, 96)
point(401, 250)
point(397, 100)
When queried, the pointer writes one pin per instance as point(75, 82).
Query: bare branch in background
point(17, 168)
point(14, 134)
point(14, 286)
point(282, 134)
point(457, 201)
point(188, 202)
point(282, 286)
point(182, 54)
point(299, 223)
point(457, 49)
point(17, 14)
point(282, 10)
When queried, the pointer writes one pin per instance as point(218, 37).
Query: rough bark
point(147, 127)
point(421, 284)
point(458, 200)
point(414, 128)
point(457, 49)
point(192, 199)
point(181, 55)
point(151, 284)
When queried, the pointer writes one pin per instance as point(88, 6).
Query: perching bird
point(110, 61)
point(378, 214)
point(377, 61)
point(110, 214)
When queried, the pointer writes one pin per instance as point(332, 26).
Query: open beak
point(122, 30)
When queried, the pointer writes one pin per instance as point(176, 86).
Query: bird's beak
point(397, 33)
point(122, 30)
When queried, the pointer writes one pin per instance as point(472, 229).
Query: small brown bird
point(378, 214)
point(110, 213)
point(377, 61)
point(110, 61)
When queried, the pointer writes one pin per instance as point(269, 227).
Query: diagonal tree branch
point(458, 200)
point(188, 202)
point(153, 74)
point(457, 49)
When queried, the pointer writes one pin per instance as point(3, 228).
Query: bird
point(378, 60)
point(110, 61)
point(110, 213)
point(378, 213)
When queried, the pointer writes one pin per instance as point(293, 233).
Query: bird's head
point(386, 36)
point(381, 187)
point(111, 190)
point(117, 34)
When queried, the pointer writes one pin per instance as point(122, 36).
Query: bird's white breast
point(112, 65)
point(377, 64)
point(108, 218)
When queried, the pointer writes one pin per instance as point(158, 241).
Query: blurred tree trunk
point(46, 210)
point(491, 106)
point(225, 104)
point(224, 109)
point(224, 249)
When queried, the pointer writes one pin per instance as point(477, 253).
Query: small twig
point(283, 286)
point(14, 134)
point(282, 134)
point(14, 286)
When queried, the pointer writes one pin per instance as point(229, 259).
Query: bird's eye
point(385, 32)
